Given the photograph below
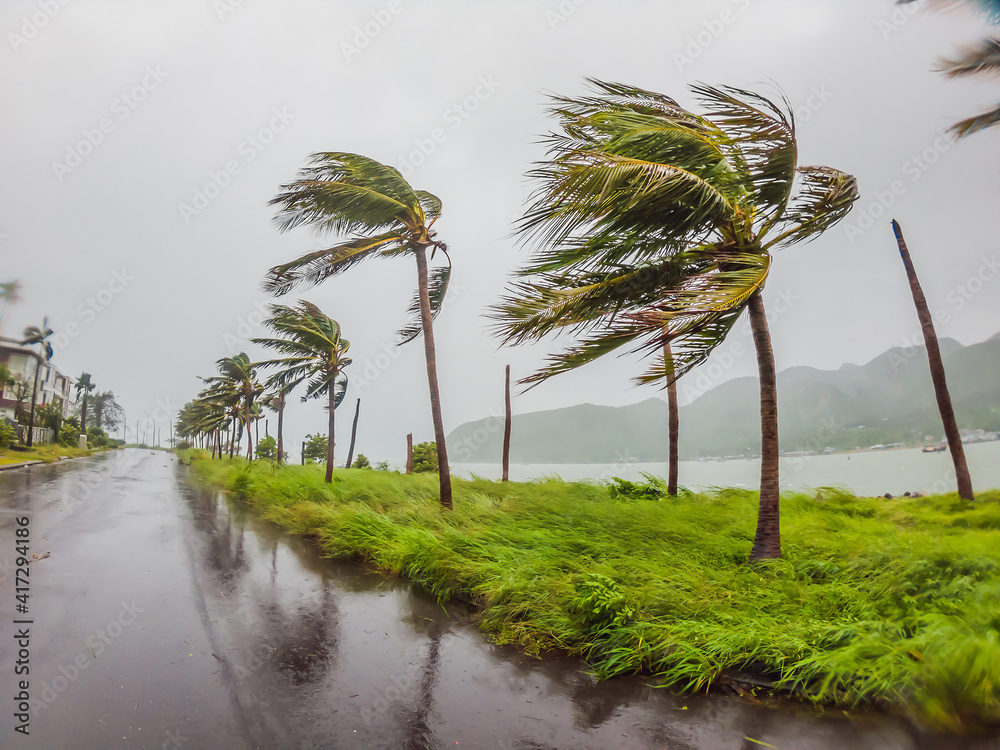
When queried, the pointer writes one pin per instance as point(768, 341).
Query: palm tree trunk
point(329, 444)
point(354, 434)
point(426, 323)
point(767, 542)
point(249, 433)
point(962, 476)
point(409, 453)
point(232, 438)
point(83, 414)
point(281, 419)
point(673, 425)
point(505, 476)
point(34, 394)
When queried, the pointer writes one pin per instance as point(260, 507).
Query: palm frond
point(824, 197)
point(437, 287)
point(761, 143)
point(344, 194)
point(315, 267)
point(983, 58)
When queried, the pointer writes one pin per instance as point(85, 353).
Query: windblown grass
point(893, 603)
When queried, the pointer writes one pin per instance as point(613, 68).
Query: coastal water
point(865, 472)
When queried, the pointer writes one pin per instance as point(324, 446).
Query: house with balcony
point(53, 386)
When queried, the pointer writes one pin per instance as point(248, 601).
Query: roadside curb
point(9, 467)
point(60, 459)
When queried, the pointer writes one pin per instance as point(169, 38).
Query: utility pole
point(506, 428)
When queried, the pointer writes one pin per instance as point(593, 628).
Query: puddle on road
point(320, 653)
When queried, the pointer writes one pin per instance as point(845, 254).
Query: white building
point(53, 386)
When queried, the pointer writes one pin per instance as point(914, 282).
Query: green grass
point(48, 453)
point(893, 603)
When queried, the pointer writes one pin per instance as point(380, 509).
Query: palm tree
point(376, 213)
point(962, 476)
point(35, 336)
point(657, 225)
point(981, 59)
point(85, 385)
point(316, 353)
point(275, 401)
point(237, 387)
point(10, 293)
point(354, 434)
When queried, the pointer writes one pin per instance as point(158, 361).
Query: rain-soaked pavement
point(167, 617)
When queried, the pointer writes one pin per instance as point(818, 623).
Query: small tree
point(361, 462)
point(267, 447)
point(425, 457)
point(315, 448)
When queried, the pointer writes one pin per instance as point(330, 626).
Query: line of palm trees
point(653, 229)
point(233, 399)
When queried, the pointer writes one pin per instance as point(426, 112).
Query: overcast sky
point(141, 142)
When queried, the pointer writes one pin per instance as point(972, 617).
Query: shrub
point(361, 462)
point(267, 447)
point(315, 449)
point(69, 435)
point(425, 457)
point(8, 434)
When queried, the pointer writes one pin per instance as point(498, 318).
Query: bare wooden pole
point(506, 428)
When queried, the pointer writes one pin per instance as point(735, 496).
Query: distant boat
point(933, 448)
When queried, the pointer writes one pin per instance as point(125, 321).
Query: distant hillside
point(887, 400)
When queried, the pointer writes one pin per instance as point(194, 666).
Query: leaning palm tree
point(315, 354)
point(237, 386)
point(375, 213)
point(275, 401)
point(656, 226)
point(35, 336)
point(962, 477)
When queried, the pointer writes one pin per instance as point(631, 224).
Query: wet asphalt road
point(167, 617)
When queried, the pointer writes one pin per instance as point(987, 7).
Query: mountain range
point(888, 400)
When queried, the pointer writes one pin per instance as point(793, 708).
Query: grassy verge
point(880, 602)
point(48, 453)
